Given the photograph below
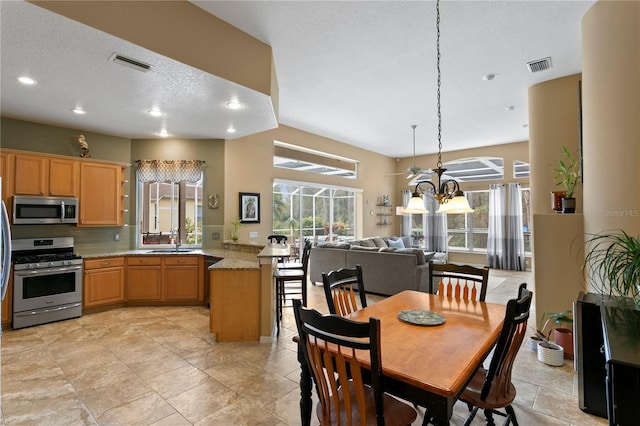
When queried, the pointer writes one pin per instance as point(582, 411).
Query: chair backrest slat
point(460, 281)
point(340, 287)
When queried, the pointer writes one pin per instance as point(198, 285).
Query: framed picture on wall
point(249, 207)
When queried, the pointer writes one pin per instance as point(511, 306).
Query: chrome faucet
point(177, 245)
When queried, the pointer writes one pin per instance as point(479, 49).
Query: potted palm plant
point(612, 261)
point(567, 175)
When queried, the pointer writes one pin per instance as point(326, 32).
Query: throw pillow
point(395, 243)
point(387, 249)
point(368, 242)
point(379, 242)
point(429, 255)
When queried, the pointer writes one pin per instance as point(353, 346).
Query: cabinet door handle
point(105, 263)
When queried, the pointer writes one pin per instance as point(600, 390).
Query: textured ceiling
point(359, 72)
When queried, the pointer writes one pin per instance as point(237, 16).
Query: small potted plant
point(235, 225)
point(567, 175)
point(417, 237)
point(562, 336)
point(612, 261)
point(549, 352)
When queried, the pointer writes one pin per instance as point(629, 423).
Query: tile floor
point(160, 366)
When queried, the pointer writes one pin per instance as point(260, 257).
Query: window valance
point(169, 170)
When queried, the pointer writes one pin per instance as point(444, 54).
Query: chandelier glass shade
point(448, 193)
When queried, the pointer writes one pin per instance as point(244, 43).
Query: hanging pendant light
point(448, 193)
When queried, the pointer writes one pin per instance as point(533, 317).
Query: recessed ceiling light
point(79, 111)
point(163, 133)
point(234, 105)
point(489, 77)
point(155, 112)
point(511, 107)
point(231, 130)
point(27, 81)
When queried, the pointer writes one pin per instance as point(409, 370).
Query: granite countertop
point(231, 259)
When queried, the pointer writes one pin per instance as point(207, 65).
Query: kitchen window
point(169, 203)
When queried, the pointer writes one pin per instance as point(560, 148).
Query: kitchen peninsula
point(242, 295)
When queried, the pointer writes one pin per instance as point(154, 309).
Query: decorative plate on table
point(420, 317)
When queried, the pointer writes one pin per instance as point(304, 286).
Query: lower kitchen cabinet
point(144, 278)
point(7, 304)
point(103, 282)
point(182, 280)
point(171, 278)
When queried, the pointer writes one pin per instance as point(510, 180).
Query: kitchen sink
point(171, 251)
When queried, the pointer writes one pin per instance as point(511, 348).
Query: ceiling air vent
point(131, 63)
point(539, 65)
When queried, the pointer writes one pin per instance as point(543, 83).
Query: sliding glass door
point(317, 212)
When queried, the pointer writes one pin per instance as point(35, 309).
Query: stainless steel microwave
point(44, 210)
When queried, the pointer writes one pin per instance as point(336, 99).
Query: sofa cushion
point(344, 246)
point(395, 243)
point(379, 242)
point(417, 252)
point(357, 247)
point(367, 242)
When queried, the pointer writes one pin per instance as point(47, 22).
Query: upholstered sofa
point(386, 270)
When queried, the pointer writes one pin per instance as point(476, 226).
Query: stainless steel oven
point(47, 281)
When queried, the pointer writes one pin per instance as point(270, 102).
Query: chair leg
point(489, 415)
point(511, 415)
point(471, 416)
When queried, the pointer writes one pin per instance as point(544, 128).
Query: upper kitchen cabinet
point(46, 176)
point(7, 178)
point(101, 194)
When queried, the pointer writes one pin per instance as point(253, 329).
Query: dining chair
point(340, 288)
point(460, 281)
point(289, 283)
point(329, 344)
point(295, 265)
point(492, 389)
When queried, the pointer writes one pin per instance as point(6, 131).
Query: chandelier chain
point(439, 78)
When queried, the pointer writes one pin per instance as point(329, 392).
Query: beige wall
point(553, 122)
point(611, 94)
point(554, 112)
point(250, 161)
point(509, 152)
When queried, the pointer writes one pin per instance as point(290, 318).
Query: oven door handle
point(48, 271)
point(45, 311)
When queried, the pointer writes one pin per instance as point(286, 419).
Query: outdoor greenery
point(316, 205)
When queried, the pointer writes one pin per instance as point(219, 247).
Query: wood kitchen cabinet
point(103, 282)
point(182, 279)
point(7, 181)
point(144, 278)
point(45, 176)
point(172, 278)
point(101, 194)
point(7, 304)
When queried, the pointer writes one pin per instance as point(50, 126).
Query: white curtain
point(505, 244)
point(405, 225)
point(435, 227)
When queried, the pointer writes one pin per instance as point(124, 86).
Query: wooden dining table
point(426, 365)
